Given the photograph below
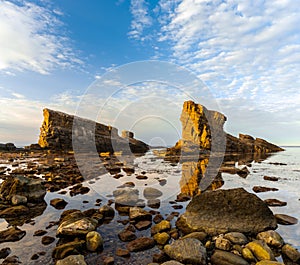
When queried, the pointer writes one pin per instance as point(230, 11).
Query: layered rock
point(60, 131)
point(202, 129)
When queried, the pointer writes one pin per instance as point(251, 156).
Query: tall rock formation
point(58, 133)
point(202, 129)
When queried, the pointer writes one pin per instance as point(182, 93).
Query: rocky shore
point(134, 222)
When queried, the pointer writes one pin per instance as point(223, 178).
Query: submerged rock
point(11, 235)
point(284, 219)
point(32, 189)
point(76, 226)
point(240, 211)
point(221, 257)
point(73, 259)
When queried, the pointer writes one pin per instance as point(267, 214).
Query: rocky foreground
point(217, 227)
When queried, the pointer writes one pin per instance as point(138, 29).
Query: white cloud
point(31, 38)
point(141, 18)
point(247, 52)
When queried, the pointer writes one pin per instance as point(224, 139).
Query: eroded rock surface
point(240, 211)
point(59, 128)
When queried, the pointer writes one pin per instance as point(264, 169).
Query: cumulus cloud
point(246, 52)
point(141, 19)
point(31, 38)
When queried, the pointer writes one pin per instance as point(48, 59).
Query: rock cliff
point(201, 128)
point(58, 133)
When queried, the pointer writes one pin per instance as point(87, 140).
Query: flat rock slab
point(284, 219)
point(240, 211)
point(275, 203)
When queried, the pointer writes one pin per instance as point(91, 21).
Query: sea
point(285, 165)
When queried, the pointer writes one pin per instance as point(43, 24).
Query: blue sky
point(247, 53)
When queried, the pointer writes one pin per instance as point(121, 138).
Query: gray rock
point(236, 238)
point(240, 210)
point(126, 196)
point(187, 251)
point(72, 260)
point(221, 257)
point(152, 193)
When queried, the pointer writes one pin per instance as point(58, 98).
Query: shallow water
point(156, 168)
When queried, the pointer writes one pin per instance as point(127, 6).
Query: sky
point(70, 55)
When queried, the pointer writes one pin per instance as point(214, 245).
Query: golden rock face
point(59, 131)
point(198, 122)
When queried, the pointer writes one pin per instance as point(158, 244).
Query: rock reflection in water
point(195, 172)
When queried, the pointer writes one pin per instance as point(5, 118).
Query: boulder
point(241, 211)
point(187, 251)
